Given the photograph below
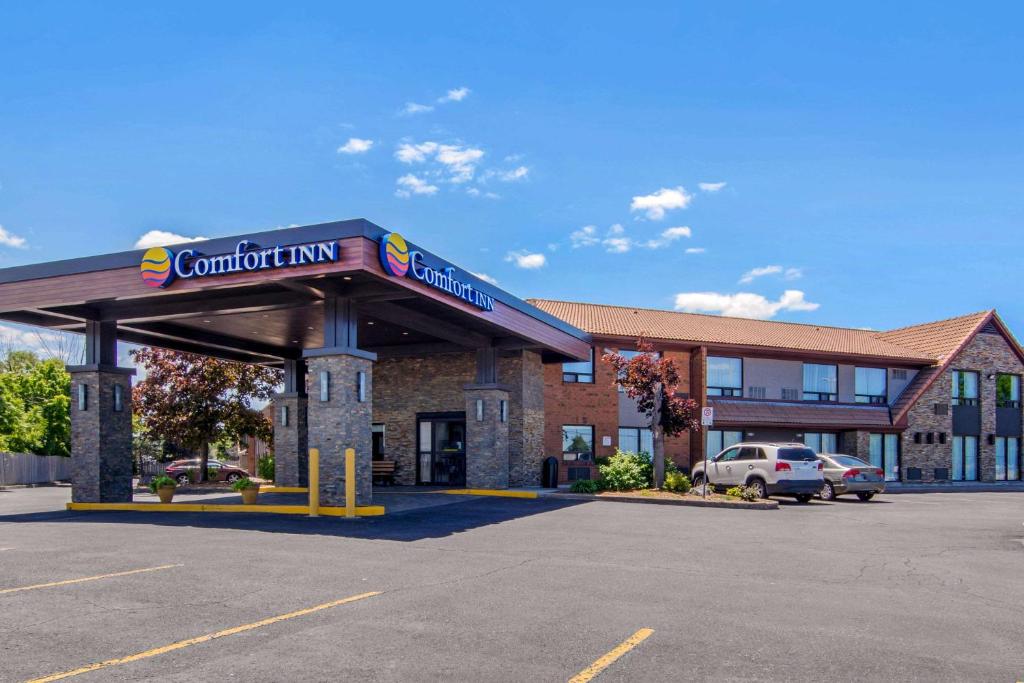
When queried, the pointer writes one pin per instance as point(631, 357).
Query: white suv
point(770, 468)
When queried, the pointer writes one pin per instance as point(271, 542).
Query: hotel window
point(870, 385)
point(822, 442)
point(636, 440)
point(1007, 458)
point(579, 372)
point(718, 440)
point(725, 376)
point(577, 443)
point(884, 453)
point(1007, 391)
point(820, 382)
point(965, 458)
point(965, 388)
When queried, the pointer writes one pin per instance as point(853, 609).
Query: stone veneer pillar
point(101, 434)
point(291, 440)
point(341, 421)
point(487, 448)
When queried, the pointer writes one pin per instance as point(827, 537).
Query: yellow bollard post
point(350, 482)
point(314, 482)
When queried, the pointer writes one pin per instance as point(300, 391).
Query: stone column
point(291, 440)
point(340, 413)
point(101, 434)
point(487, 447)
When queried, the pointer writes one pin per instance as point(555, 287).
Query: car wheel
point(866, 495)
point(760, 487)
point(233, 477)
point(828, 491)
point(698, 479)
point(803, 497)
point(183, 480)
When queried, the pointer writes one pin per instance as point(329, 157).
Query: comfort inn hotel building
point(389, 349)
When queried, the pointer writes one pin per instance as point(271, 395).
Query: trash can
point(549, 473)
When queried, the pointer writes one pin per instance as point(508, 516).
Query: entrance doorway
point(441, 449)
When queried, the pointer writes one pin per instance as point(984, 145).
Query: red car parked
point(187, 471)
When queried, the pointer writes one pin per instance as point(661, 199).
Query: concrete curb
point(696, 502)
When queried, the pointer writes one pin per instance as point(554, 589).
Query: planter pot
point(166, 493)
point(249, 495)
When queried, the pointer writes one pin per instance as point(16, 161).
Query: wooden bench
point(384, 471)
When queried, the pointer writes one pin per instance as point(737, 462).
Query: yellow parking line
point(607, 660)
point(87, 578)
point(200, 639)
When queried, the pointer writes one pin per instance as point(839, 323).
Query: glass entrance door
point(441, 449)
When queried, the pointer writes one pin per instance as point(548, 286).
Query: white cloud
point(617, 245)
point(710, 187)
point(409, 185)
point(524, 259)
point(742, 304)
point(413, 108)
point(695, 250)
point(584, 237)
point(455, 95)
point(486, 278)
point(457, 161)
point(793, 273)
point(668, 236)
point(356, 146)
point(475, 192)
point(755, 273)
point(655, 205)
point(10, 239)
point(410, 153)
point(518, 173)
point(161, 238)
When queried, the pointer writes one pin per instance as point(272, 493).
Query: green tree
point(34, 405)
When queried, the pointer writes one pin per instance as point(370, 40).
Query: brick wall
point(986, 354)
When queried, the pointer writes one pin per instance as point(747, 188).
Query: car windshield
point(797, 454)
point(848, 461)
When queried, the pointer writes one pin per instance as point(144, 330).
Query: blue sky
point(856, 166)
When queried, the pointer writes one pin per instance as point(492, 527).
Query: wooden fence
point(26, 468)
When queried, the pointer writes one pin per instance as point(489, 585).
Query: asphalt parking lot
point(910, 587)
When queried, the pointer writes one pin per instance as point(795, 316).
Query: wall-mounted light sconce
point(504, 410)
point(991, 439)
point(361, 386)
point(284, 416)
point(479, 410)
point(118, 398)
point(750, 433)
point(325, 388)
point(83, 397)
point(991, 375)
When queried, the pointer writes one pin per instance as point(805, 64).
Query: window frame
point(884, 396)
point(576, 375)
point(965, 400)
point(831, 397)
point(639, 438)
point(725, 392)
point(962, 440)
point(576, 455)
point(1009, 403)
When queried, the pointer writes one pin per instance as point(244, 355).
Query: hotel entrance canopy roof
point(254, 298)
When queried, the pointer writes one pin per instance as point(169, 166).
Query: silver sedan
point(847, 474)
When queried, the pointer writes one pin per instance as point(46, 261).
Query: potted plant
point(248, 488)
point(163, 486)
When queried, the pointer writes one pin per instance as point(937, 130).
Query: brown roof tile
point(747, 412)
point(938, 339)
point(600, 319)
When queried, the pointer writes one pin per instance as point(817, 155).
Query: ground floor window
point(577, 443)
point(718, 440)
point(636, 440)
point(965, 458)
point(1007, 458)
point(884, 453)
point(822, 442)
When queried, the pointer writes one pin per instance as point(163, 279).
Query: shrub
point(244, 483)
point(747, 493)
point(584, 486)
point(265, 467)
point(161, 482)
point(678, 482)
point(626, 471)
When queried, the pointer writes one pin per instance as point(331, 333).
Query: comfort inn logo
point(161, 266)
point(397, 260)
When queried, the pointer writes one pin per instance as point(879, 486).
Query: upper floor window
point(579, 371)
point(1007, 391)
point(725, 376)
point(965, 388)
point(630, 355)
point(820, 382)
point(870, 385)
